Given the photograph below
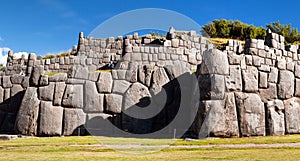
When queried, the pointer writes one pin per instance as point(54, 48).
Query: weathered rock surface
point(51, 119)
point(78, 72)
point(46, 93)
point(159, 79)
point(286, 85)
point(113, 103)
point(215, 62)
point(268, 94)
point(36, 74)
point(145, 74)
point(44, 81)
point(16, 79)
point(58, 93)
point(26, 122)
point(74, 119)
point(105, 83)
point(292, 113)
point(234, 80)
point(219, 118)
point(73, 96)
point(6, 83)
point(176, 70)
point(250, 79)
point(212, 87)
point(275, 118)
point(120, 86)
point(93, 101)
point(60, 77)
point(135, 94)
point(251, 114)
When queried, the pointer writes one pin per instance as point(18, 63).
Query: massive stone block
point(159, 79)
point(212, 87)
point(275, 118)
point(51, 120)
point(135, 94)
point(250, 79)
point(120, 86)
point(215, 62)
point(16, 79)
point(218, 118)
point(6, 83)
point(234, 80)
point(286, 84)
point(36, 74)
point(73, 96)
point(177, 69)
point(46, 93)
point(78, 72)
point(60, 77)
point(58, 93)
point(105, 83)
point(93, 102)
point(74, 119)
point(26, 122)
point(273, 75)
point(292, 113)
point(145, 74)
point(113, 103)
point(263, 80)
point(251, 114)
point(268, 94)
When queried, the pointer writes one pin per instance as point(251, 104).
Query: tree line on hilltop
point(238, 30)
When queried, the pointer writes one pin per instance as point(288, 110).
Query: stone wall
point(244, 91)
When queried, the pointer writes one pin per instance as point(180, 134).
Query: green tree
point(291, 34)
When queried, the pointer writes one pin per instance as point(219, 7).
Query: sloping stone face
point(73, 122)
point(286, 84)
point(292, 112)
point(51, 120)
point(275, 118)
point(251, 114)
point(73, 96)
point(219, 118)
point(26, 122)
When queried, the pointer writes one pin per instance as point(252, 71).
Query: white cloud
point(4, 53)
point(19, 54)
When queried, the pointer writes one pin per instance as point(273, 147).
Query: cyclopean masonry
point(244, 91)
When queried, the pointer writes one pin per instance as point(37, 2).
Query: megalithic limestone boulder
point(251, 114)
point(51, 119)
point(292, 115)
point(26, 122)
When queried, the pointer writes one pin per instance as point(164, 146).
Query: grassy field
point(91, 148)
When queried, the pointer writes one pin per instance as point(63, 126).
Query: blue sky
point(52, 26)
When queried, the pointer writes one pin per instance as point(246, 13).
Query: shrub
point(233, 30)
point(290, 33)
point(49, 56)
point(63, 54)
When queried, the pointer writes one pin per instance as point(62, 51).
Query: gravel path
point(280, 145)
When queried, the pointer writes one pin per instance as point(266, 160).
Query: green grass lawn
point(90, 148)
